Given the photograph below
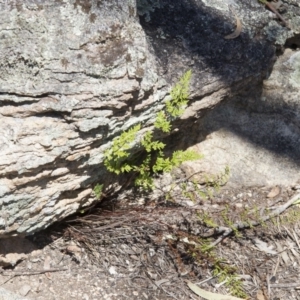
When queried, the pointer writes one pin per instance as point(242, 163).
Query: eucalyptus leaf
point(209, 295)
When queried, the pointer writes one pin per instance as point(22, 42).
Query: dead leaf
point(208, 295)
point(73, 249)
point(260, 295)
point(76, 251)
point(263, 246)
point(274, 192)
point(237, 30)
point(160, 282)
point(283, 253)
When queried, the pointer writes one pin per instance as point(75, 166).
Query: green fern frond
point(117, 154)
point(163, 165)
point(98, 190)
point(162, 123)
point(180, 156)
point(118, 158)
point(179, 96)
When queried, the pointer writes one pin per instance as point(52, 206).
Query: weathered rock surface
point(8, 295)
point(15, 249)
point(256, 134)
point(74, 74)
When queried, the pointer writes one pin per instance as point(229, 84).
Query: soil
point(125, 250)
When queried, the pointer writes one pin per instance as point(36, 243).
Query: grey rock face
point(71, 73)
point(74, 74)
point(256, 133)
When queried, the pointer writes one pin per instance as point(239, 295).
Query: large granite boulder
point(75, 74)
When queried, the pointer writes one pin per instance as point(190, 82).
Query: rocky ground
point(150, 250)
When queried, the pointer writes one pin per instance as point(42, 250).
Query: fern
point(144, 178)
point(98, 191)
point(162, 123)
point(162, 165)
point(181, 156)
point(179, 96)
point(118, 158)
point(115, 157)
point(150, 145)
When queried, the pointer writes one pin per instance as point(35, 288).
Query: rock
point(13, 250)
point(7, 295)
point(25, 289)
point(256, 133)
point(76, 74)
point(65, 93)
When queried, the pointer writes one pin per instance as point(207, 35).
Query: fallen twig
point(285, 285)
point(31, 272)
point(275, 11)
point(226, 231)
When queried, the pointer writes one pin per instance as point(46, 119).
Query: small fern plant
point(151, 159)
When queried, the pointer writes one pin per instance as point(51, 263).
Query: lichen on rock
point(144, 7)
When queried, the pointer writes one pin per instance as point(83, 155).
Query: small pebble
point(112, 270)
